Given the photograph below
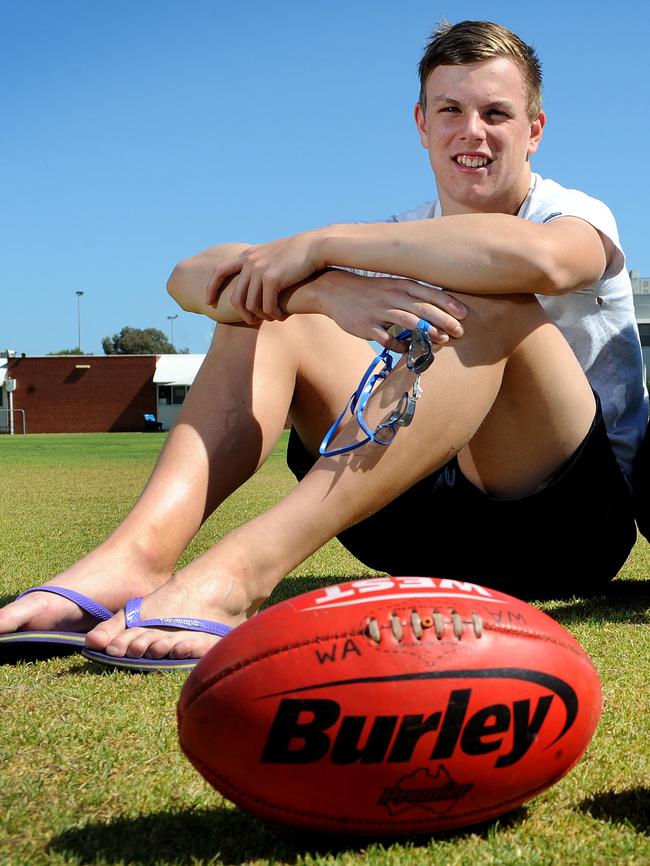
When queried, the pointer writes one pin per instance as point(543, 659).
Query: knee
point(497, 324)
point(498, 314)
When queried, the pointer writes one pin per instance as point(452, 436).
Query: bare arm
point(474, 253)
point(189, 284)
point(363, 306)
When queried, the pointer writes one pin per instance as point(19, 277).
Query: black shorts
point(570, 537)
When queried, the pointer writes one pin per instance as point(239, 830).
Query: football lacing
point(420, 623)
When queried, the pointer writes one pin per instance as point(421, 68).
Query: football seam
point(206, 684)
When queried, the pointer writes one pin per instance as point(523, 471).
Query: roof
point(177, 369)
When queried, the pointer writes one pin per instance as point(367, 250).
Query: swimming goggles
point(419, 358)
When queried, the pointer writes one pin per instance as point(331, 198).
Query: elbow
point(560, 281)
point(173, 283)
point(562, 268)
point(552, 277)
point(177, 286)
point(188, 281)
point(552, 282)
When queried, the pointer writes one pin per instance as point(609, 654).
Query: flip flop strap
point(88, 604)
point(133, 620)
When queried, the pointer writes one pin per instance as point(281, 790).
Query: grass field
point(90, 771)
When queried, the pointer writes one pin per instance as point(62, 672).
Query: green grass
point(90, 772)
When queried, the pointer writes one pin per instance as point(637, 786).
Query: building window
point(178, 393)
point(644, 333)
point(171, 395)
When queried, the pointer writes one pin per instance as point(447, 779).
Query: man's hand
point(263, 272)
point(368, 306)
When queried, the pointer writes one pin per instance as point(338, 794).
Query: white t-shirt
point(598, 322)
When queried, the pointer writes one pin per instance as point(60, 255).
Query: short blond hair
point(473, 41)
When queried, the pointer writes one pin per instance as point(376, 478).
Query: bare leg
point(231, 419)
point(488, 397)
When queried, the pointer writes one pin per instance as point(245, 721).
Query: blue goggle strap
point(362, 393)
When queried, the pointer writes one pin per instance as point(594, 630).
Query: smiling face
point(478, 134)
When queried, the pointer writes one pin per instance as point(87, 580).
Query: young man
point(508, 474)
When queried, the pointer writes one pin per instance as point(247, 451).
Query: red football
point(389, 706)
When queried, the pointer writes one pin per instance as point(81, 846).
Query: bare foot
point(110, 574)
point(198, 591)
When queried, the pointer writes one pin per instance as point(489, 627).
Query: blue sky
point(137, 132)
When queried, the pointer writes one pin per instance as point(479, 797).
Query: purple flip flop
point(142, 665)
point(34, 644)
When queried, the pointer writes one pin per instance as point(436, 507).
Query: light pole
point(79, 297)
point(171, 326)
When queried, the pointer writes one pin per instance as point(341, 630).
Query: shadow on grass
point(631, 808)
point(292, 586)
point(623, 601)
point(224, 835)
point(626, 601)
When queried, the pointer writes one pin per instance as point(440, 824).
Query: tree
point(139, 341)
point(75, 351)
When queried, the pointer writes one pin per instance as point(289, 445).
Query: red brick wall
point(110, 395)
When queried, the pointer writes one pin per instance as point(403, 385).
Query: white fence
point(8, 421)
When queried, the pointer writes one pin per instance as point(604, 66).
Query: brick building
point(93, 394)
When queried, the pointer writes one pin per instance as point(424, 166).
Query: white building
point(173, 376)
point(641, 296)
